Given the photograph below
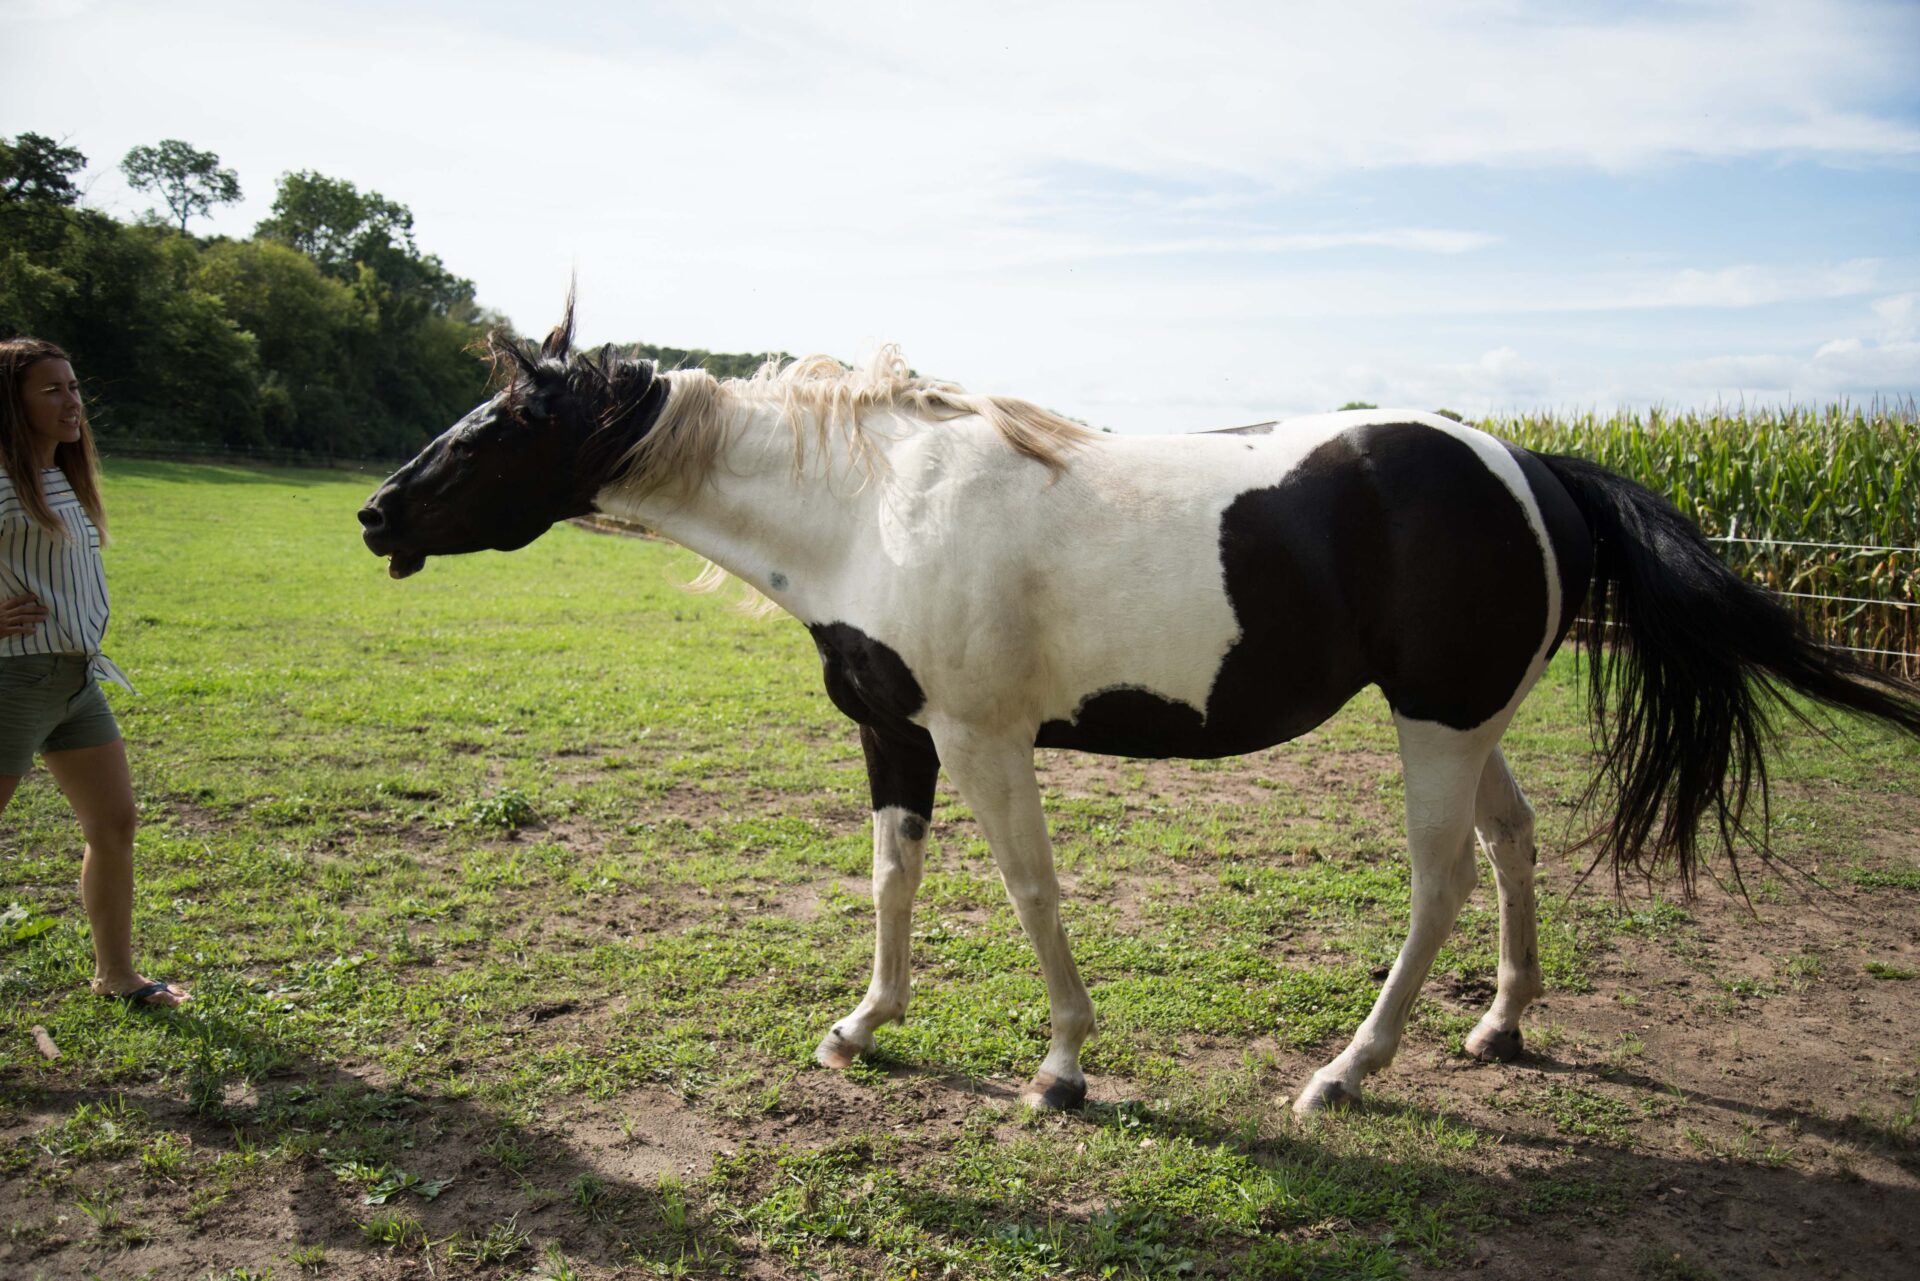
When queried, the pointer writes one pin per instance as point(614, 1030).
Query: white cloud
point(1499, 379)
point(1851, 365)
point(1841, 368)
point(1749, 285)
point(1271, 91)
point(1900, 315)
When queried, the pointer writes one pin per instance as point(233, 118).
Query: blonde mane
point(821, 399)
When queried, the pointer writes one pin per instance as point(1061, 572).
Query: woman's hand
point(21, 615)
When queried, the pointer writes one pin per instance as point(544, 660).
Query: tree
point(240, 344)
point(343, 229)
point(332, 222)
point(1359, 404)
point(191, 181)
point(37, 195)
point(36, 170)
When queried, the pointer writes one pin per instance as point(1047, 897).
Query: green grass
point(499, 851)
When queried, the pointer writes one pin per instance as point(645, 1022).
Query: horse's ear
point(560, 341)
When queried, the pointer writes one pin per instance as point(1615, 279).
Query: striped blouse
point(64, 573)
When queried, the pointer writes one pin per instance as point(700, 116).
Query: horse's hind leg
point(901, 772)
point(1505, 823)
point(1443, 768)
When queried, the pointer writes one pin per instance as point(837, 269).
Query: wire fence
point(1902, 660)
point(1789, 542)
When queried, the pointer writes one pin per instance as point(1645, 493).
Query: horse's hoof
point(1324, 1096)
point(838, 1052)
point(1495, 1047)
point(1048, 1093)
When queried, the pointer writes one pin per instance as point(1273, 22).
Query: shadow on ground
point(646, 1182)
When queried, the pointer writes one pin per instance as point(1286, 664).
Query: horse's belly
point(1137, 722)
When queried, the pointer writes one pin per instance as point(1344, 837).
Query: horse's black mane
point(624, 396)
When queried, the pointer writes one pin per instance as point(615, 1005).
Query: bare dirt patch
point(1746, 1087)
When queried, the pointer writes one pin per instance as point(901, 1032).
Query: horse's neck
point(787, 532)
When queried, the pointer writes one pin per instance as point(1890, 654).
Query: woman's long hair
point(76, 458)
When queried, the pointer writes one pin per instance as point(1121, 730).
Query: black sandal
point(143, 996)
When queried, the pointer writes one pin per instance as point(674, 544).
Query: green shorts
point(50, 703)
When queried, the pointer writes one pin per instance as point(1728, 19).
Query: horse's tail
point(1687, 661)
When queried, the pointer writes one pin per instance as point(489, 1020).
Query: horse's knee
point(1032, 899)
point(1446, 883)
point(897, 868)
point(1517, 833)
point(894, 884)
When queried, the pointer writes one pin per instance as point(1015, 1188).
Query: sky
point(1149, 216)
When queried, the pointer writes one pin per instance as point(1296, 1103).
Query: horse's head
point(534, 454)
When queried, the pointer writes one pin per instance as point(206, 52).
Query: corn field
point(1766, 479)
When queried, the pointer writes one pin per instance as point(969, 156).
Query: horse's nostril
point(372, 517)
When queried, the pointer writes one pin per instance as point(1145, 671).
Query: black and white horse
point(981, 577)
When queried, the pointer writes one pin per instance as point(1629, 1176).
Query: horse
point(982, 577)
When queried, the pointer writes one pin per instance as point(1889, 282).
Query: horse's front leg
point(995, 776)
point(901, 770)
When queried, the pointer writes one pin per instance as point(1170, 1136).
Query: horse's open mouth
point(405, 563)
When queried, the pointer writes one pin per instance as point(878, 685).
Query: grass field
point(516, 896)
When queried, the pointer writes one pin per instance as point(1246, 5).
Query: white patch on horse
point(1112, 566)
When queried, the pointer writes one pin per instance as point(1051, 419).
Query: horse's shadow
point(1743, 1217)
point(322, 1132)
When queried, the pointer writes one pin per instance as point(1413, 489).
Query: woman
point(53, 613)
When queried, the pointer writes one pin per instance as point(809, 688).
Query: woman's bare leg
point(100, 789)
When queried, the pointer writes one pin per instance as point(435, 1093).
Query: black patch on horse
point(902, 770)
point(514, 467)
point(1129, 721)
point(866, 679)
point(1567, 531)
point(1455, 615)
point(1355, 569)
point(871, 684)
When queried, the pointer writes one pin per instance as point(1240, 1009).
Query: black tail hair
point(1687, 663)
